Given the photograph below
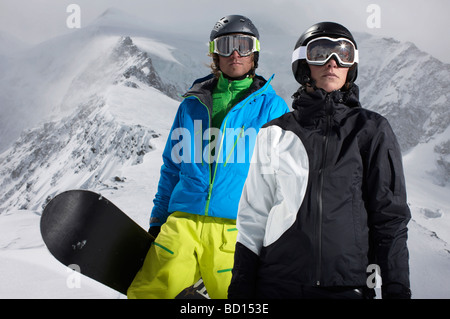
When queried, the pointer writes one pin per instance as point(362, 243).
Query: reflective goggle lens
point(319, 51)
point(226, 45)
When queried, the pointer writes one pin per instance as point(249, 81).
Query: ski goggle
point(319, 51)
point(227, 44)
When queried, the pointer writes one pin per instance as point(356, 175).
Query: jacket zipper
point(209, 152)
point(211, 181)
point(215, 168)
point(326, 138)
point(241, 134)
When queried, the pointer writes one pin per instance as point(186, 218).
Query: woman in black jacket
point(324, 202)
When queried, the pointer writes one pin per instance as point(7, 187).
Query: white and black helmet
point(332, 30)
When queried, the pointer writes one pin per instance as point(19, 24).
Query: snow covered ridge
point(85, 148)
point(407, 86)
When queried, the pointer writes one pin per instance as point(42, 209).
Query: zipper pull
point(209, 192)
point(242, 131)
point(208, 199)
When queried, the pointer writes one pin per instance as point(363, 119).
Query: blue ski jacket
point(204, 169)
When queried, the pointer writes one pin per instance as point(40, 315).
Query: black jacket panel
point(354, 212)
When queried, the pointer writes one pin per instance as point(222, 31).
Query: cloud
point(423, 23)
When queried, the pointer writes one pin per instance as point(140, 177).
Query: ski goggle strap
point(227, 44)
point(319, 51)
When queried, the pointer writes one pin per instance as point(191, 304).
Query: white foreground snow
point(29, 271)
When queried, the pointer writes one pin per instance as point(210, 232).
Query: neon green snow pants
point(188, 247)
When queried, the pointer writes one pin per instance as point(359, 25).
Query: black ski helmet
point(234, 24)
point(301, 69)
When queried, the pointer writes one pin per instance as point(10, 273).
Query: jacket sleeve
point(256, 202)
point(169, 178)
point(389, 213)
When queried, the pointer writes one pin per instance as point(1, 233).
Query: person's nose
point(235, 54)
point(332, 63)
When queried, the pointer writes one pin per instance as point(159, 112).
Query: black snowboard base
point(86, 232)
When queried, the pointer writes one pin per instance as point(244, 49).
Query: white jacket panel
point(264, 213)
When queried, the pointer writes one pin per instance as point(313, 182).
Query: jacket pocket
point(229, 235)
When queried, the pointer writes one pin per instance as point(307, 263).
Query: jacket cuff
point(395, 291)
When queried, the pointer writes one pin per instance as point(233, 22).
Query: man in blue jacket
point(206, 160)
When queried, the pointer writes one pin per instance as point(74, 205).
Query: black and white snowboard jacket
point(324, 198)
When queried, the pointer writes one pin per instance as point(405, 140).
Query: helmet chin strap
point(310, 82)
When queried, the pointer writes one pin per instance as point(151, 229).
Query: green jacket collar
point(237, 85)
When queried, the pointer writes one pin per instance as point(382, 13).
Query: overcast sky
point(424, 22)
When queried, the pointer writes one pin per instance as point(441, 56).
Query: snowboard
point(85, 231)
point(88, 233)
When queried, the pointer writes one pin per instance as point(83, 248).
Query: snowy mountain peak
point(96, 138)
point(408, 86)
point(141, 68)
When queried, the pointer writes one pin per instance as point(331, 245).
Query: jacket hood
point(315, 106)
point(304, 99)
point(203, 88)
